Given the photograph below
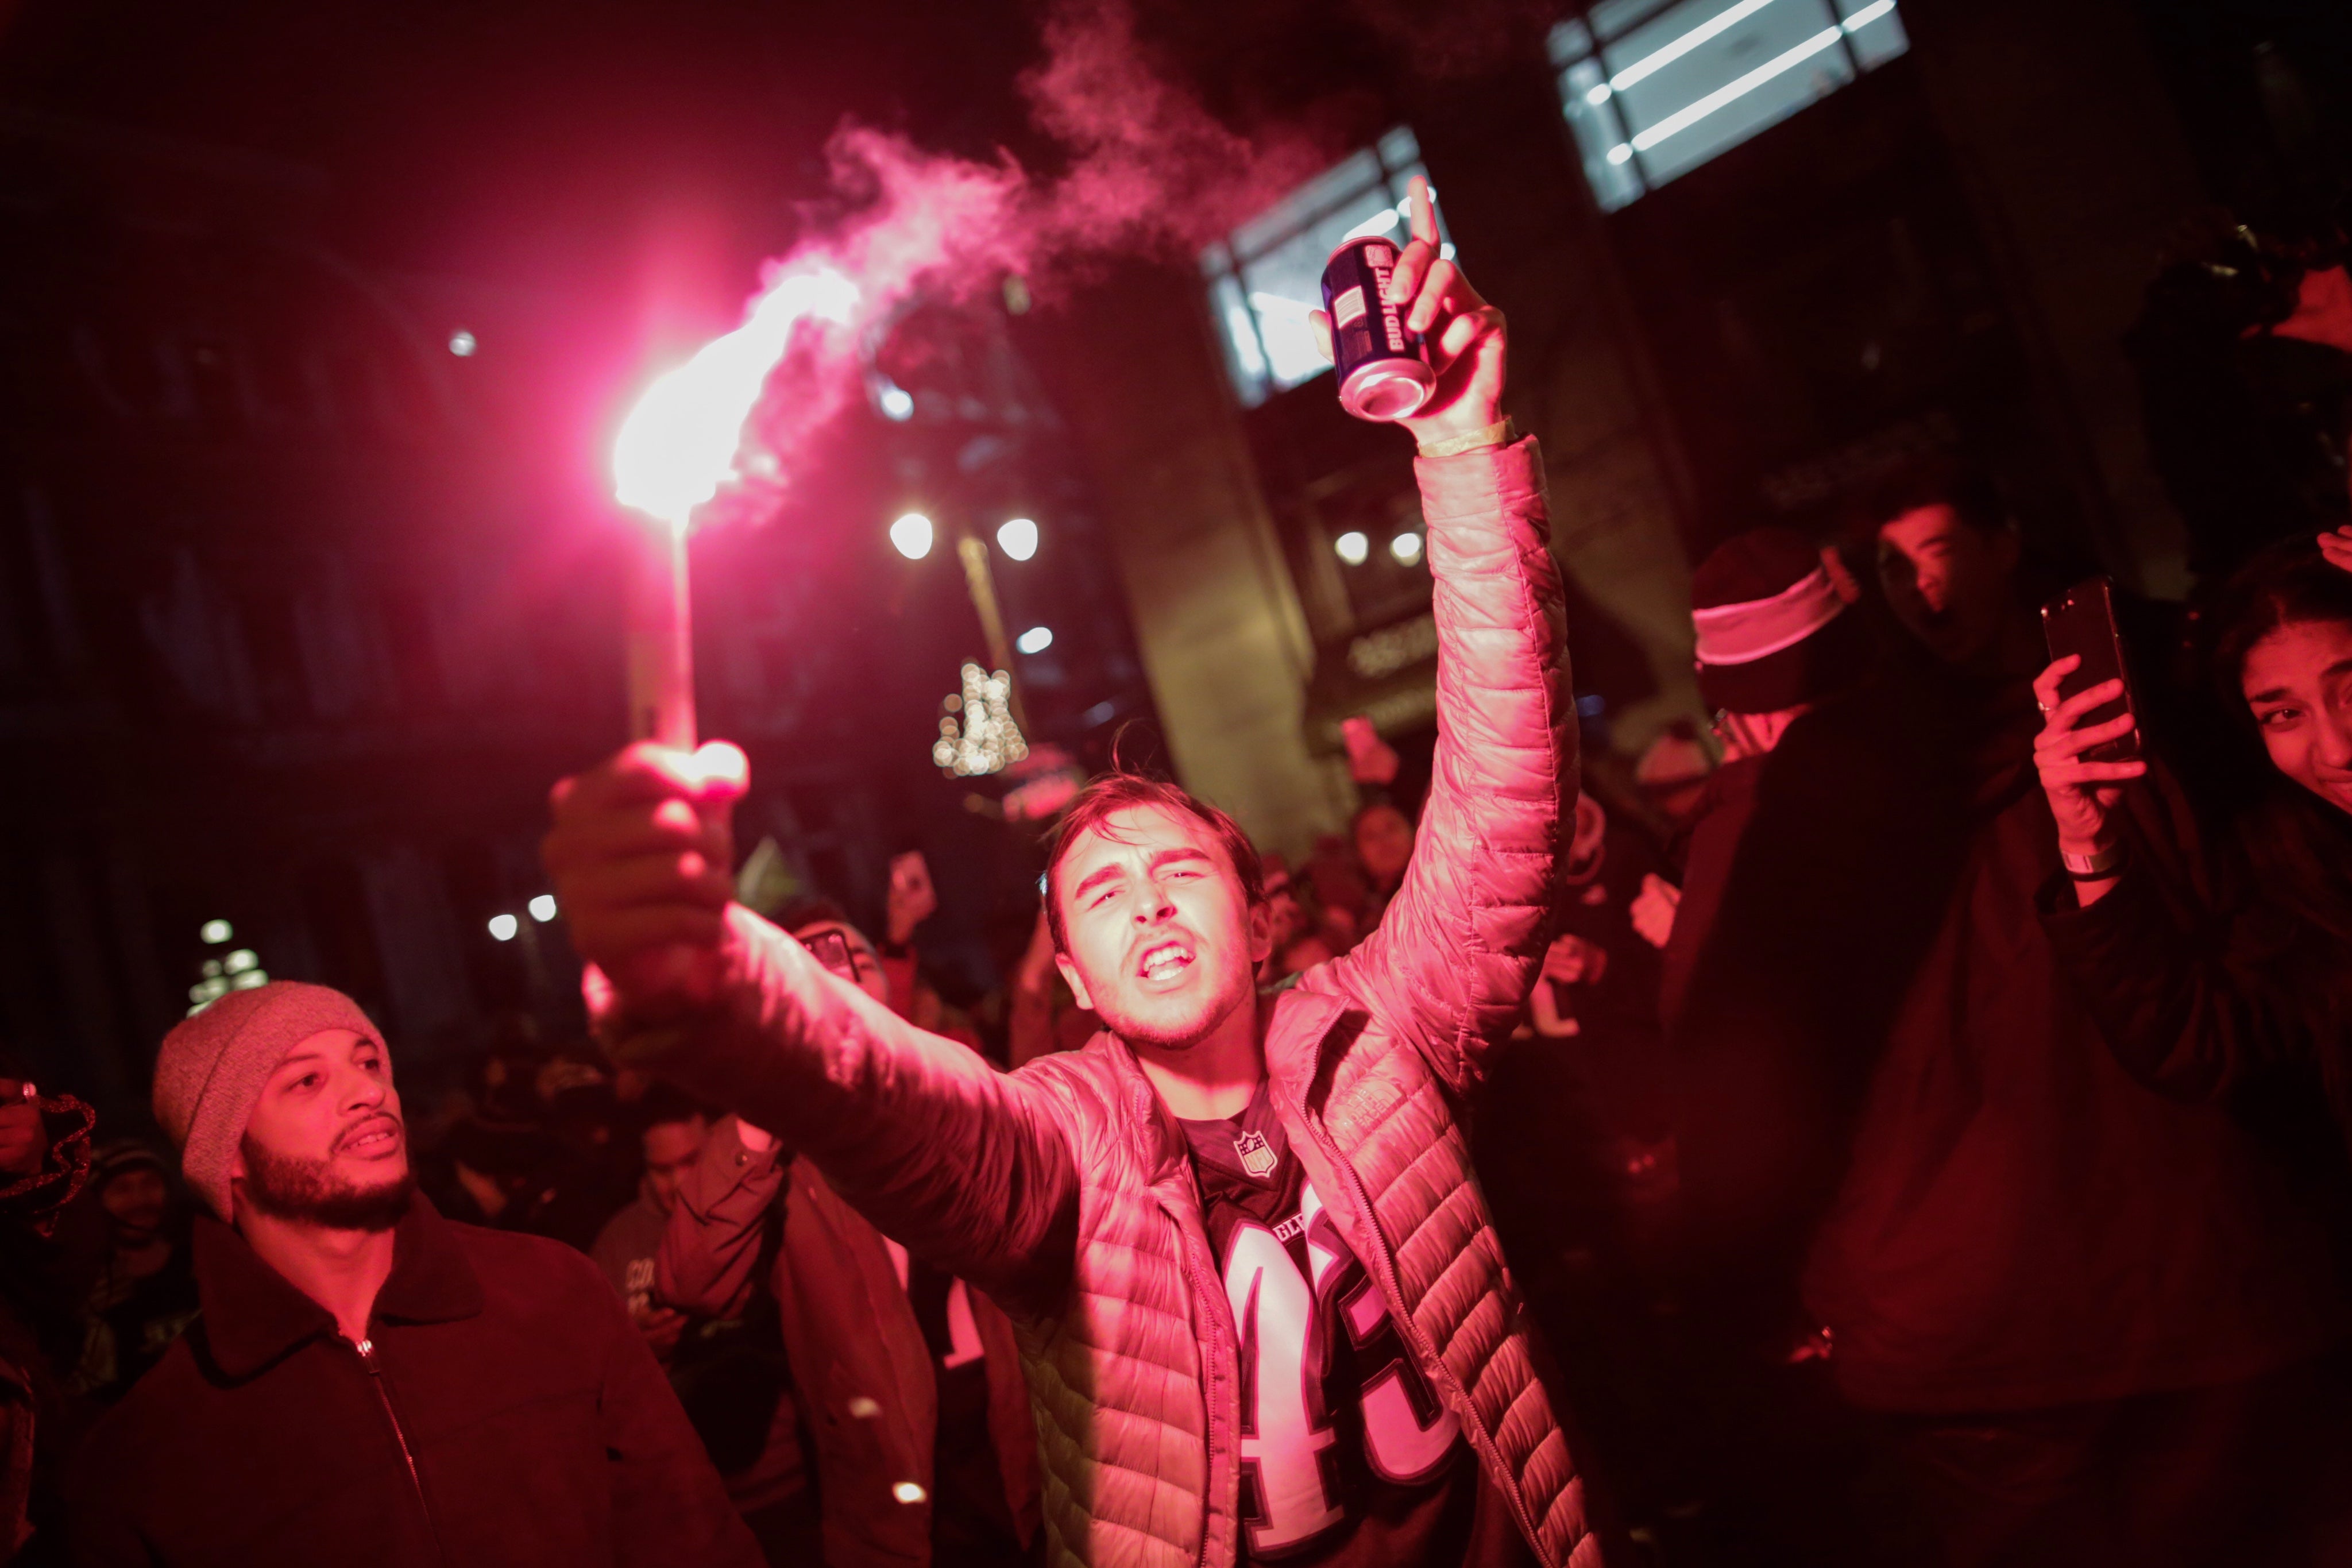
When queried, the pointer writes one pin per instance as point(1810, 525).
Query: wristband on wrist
point(2095, 866)
point(1500, 434)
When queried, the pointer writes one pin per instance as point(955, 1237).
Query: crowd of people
point(1907, 1125)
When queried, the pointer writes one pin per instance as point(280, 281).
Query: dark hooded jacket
point(1884, 1074)
point(502, 1413)
point(2224, 975)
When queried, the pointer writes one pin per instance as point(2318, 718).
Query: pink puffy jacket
point(1064, 1190)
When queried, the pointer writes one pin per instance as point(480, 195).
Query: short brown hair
point(1115, 791)
point(1940, 479)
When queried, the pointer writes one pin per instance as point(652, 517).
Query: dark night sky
point(572, 143)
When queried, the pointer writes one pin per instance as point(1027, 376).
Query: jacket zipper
point(1193, 1271)
point(1481, 1439)
point(1202, 1297)
point(366, 1349)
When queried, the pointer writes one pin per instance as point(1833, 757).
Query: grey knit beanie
point(211, 1068)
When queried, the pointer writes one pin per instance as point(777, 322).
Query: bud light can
point(1384, 369)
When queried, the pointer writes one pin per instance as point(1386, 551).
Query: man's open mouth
point(377, 1135)
point(1164, 961)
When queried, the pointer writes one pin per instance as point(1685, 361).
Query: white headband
point(1758, 628)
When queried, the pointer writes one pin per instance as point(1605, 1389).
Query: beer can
point(1384, 369)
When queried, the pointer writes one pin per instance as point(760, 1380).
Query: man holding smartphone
point(1263, 1308)
point(2055, 1293)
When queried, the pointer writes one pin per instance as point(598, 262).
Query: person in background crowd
point(912, 900)
point(1672, 770)
point(2066, 1307)
point(1042, 1017)
point(1743, 1431)
point(1287, 914)
point(1382, 837)
point(1379, 834)
point(1173, 1225)
point(674, 1128)
point(44, 1161)
point(370, 1383)
point(726, 1367)
point(1302, 954)
point(592, 1173)
point(1773, 638)
point(2217, 975)
point(544, 1150)
point(145, 1290)
point(925, 1448)
point(1569, 1135)
point(501, 1172)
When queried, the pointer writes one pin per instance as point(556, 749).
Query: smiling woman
point(2199, 1000)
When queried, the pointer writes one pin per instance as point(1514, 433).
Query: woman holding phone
point(2210, 971)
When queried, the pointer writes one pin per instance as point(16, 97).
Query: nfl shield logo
point(1258, 1155)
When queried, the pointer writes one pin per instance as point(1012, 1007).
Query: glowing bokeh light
point(503, 928)
point(1352, 548)
point(979, 735)
point(679, 444)
point(1406, 547)
point(238, 971)
point(542, 908)
point(896, 402)
point(1018, 537)
point(463, 343)
point(911, 536)
point(1036, 639)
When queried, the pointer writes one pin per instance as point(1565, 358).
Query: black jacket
point(505, 1414)
point(2231, 980)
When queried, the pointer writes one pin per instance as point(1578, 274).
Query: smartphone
point(2082, 621)
point(831, 949)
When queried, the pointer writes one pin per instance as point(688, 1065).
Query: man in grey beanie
point(370, 1383)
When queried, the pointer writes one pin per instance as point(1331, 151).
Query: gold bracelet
point(1501, 434)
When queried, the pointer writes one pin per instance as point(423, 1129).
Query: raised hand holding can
point(1454, 398)
point(1384, 369)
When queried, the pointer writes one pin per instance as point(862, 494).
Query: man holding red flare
point(1261, 1304)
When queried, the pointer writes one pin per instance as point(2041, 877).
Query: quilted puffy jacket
point(1064, 1190)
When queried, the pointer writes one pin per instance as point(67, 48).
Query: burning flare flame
point(679, 444)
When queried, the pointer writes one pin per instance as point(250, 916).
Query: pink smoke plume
point(1148, 170)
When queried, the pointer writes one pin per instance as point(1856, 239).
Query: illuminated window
point(1266, 276)
point(1654, 88)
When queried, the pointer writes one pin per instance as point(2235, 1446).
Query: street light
point(1018, 537)
point(911, 536)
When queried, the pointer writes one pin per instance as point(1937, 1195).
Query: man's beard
point(1174, 1039)
point(290, 1187)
